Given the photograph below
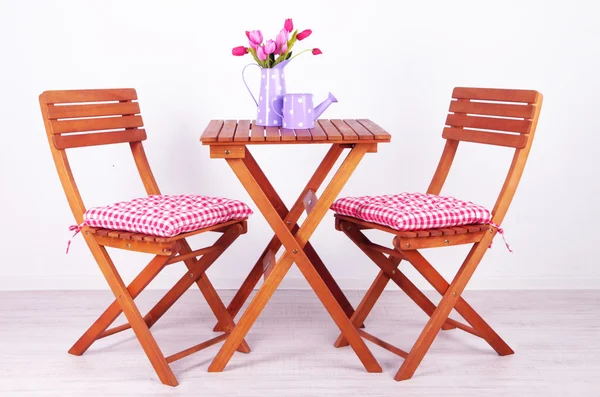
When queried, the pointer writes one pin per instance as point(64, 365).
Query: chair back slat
point(492, 116)
point(96, 124)
point(495, 94)
point(492, 109)
point(93, 112)
point(96, 139)
point(488, 138)
point(101, 95)
point(521, 126)
point(80, 118)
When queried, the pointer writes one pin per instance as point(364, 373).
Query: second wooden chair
point(157, 224)
point(498, 117)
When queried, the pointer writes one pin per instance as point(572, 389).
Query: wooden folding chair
point(498, 117)
point(73, 119)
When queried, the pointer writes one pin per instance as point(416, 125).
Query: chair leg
point(462, 307)
point(133, 315)
point(388, 267)
point(451, 295)
point(112, 312)
point(196, 270)
point(366, 305)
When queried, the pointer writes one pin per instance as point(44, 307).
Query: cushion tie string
point(501, 232)
point(76, 229)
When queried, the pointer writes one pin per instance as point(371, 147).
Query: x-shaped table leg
point(291, 218)
point(294, 252)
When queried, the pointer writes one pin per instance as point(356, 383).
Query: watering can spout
point(324, 105)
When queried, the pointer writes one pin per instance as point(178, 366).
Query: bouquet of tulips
point(272, 52)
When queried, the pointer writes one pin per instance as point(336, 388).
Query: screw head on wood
point(394, 271)
point(491, 230)
point(446, 242)
point(454, 294)
point(191, 275)
point(227, 151)
point(87, 232)
point(164, 251)
point(407, 245)
point(295, 251)
point(128, 245)
point(288, 223)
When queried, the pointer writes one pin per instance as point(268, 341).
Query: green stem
point(310, 49)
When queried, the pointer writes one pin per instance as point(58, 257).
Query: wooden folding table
point(231, 140)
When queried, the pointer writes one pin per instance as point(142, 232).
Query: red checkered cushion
point(166, 215)
point(413, 211)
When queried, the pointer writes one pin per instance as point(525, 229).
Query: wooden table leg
point(291, 218)
point(295, 253)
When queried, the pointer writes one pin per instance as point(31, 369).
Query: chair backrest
point(499, 117)
point(79, 118)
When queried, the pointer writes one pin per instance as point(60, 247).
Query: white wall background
point(393, 62)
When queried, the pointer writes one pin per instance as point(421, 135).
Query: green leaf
point(252, 52)
point(288, 56)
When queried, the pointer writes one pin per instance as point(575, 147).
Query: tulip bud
point(288, 25)
point(239, 51)
point(316, 51)
point(304, 34)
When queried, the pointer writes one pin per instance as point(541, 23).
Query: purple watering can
point(270, 108)
point(270, 97)
point(299, 112)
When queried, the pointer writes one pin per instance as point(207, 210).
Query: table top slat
point(246, 132)
point(359, 129)
point(376, 130)
point(242, 132)
point(257, 133)
point(303, 135)
point(344, 129)
point(272, 134)
point(287, 134)
point(227, 132)
point(212, 131)
point(332, 133)
point(317, 133)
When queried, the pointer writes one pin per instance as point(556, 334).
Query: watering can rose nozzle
point(324, 105)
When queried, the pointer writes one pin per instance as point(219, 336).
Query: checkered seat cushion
point(166, 215)
point(413, 211)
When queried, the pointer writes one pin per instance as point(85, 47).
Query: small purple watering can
point(299, 112)
point(270, 108)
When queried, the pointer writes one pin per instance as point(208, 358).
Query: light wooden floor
point(556, 336)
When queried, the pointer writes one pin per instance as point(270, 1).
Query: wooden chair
point(72, 120)
point(498, 117)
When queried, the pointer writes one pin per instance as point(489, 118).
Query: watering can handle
point(246, 84)
point(274, 109)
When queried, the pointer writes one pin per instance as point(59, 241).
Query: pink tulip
point(255, 38)
point(270, 47)
point(288, 25)
point(281, 41)
point(239, 51)
point(283, 49)
point(260, 53)
point(316, 51)
point(304, 34)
